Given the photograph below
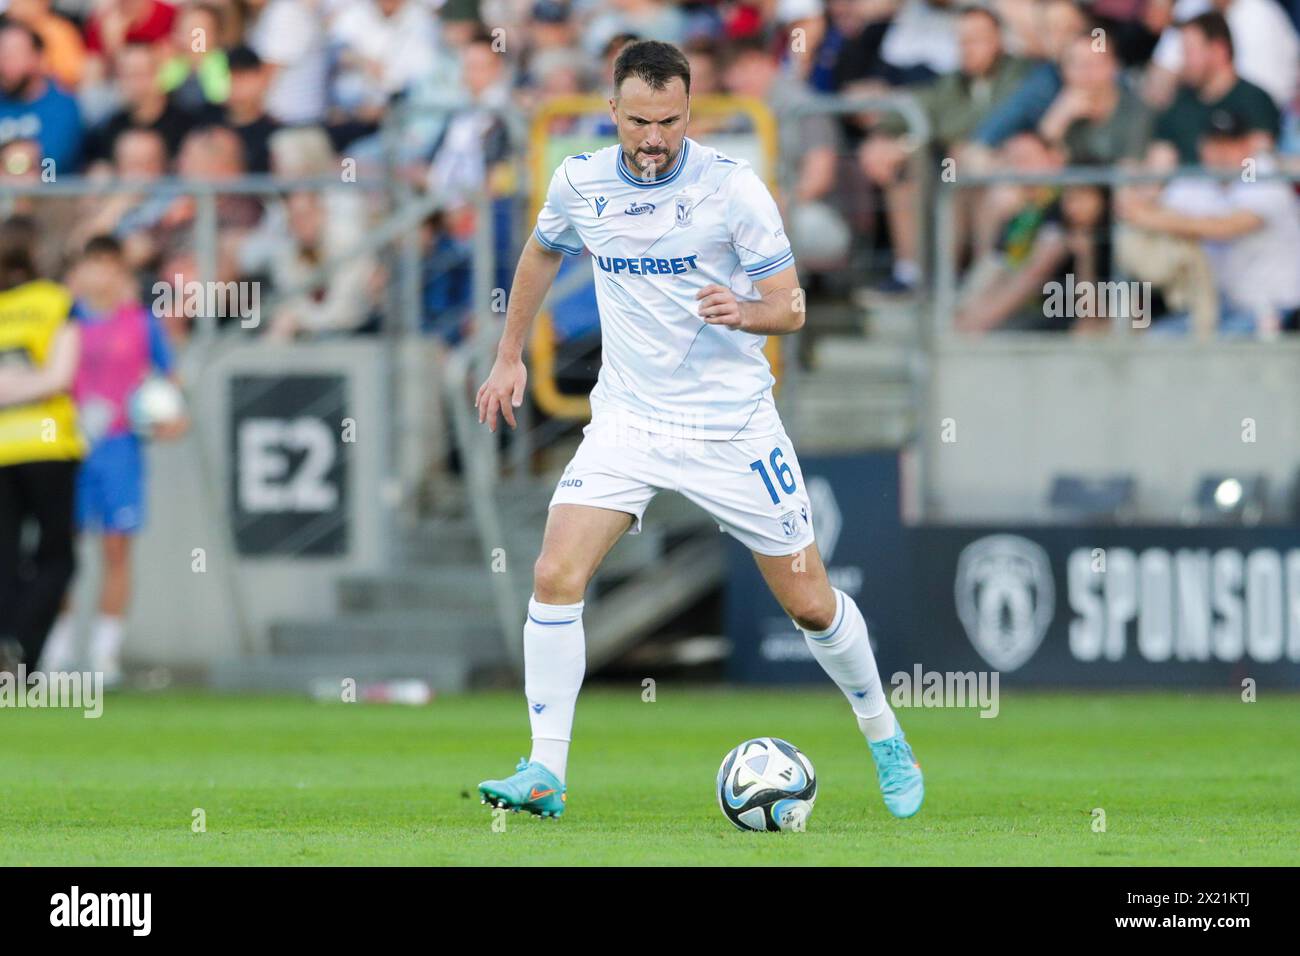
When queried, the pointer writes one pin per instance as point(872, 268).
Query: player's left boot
point(531, 787)
point(899, 774)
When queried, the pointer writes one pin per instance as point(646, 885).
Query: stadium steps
point(462, 633)
point(634, 610)
point(300, 673)
point(452, 650)
point(433, 616)
point(859, 394)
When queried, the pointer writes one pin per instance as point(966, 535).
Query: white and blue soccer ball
point(767, 784)
point(157, 401)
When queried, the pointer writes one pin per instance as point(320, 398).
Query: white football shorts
point(752, 488)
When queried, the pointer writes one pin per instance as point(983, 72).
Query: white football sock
point(106, 646)
point(844, 652)
point(56, 658)
point(555, 659)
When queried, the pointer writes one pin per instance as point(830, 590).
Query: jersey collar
point(672, 174)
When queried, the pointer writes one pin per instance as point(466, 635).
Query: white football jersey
point(654, 245)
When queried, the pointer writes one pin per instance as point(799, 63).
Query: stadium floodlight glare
point(1093, 500)
point(1229, 499)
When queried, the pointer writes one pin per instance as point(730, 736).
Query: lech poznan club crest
point(683, 211)
point(1005, 598)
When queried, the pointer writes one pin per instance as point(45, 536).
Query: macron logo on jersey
point(645, 266)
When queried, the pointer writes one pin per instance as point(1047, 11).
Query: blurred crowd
point(135, 90)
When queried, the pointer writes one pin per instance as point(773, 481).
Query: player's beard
point(636, 158)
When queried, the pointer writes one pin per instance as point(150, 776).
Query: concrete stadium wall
point(1023, 408)
point(184, 619)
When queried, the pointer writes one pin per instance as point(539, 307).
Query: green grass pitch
point(1183, 779)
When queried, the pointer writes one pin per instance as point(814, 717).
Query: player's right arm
point(504, 388)
point(553, 238)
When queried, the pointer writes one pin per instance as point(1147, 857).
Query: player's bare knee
point(816, 614)
point(557, 581)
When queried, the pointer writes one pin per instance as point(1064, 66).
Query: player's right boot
point(531, 787)
point(899, 774)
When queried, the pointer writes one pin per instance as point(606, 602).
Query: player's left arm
point(779, 311)
point(758, 236)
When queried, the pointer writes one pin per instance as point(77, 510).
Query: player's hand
point(718, 306)
point(503, 391)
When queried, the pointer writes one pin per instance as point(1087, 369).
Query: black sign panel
point(1111, 606)
point(289, 476)
point(1044, 605)
point(855, 512)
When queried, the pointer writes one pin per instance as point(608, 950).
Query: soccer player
point(693, 270)
point(121, 342)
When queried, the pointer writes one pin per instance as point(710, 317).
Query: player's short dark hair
point(102, 245)
point(1213, 26)
point(654, 62)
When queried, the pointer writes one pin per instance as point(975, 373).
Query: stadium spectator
point(1044, 233)
point(954, 104)
point(1247, 225)
point(114, 24)
point(65, 51)
point(32, 107)
point(648, 19)
point(1061, 22)
point(244, 110)
point(1130, 28)
point(922, 42)
point(289, 36)
point(210, 154)
point(551, 26)
point(849, 51)
point(302, 153)
point(196, 74)
point(139, 158)
point(1265, 46)
point(338, 301)
point(21, 165)
point(1210, 83)
point(477, 137)
point(122, 343)
point(383, 48)
point(1096, 118)
point(447, 281)
point(801, 20)
point(810, 143)
point(40, 446)
point(144, 105)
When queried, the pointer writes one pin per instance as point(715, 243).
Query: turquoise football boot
point(532, 787)
point(899, 774)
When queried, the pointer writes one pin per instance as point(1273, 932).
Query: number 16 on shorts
point(784, 476)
